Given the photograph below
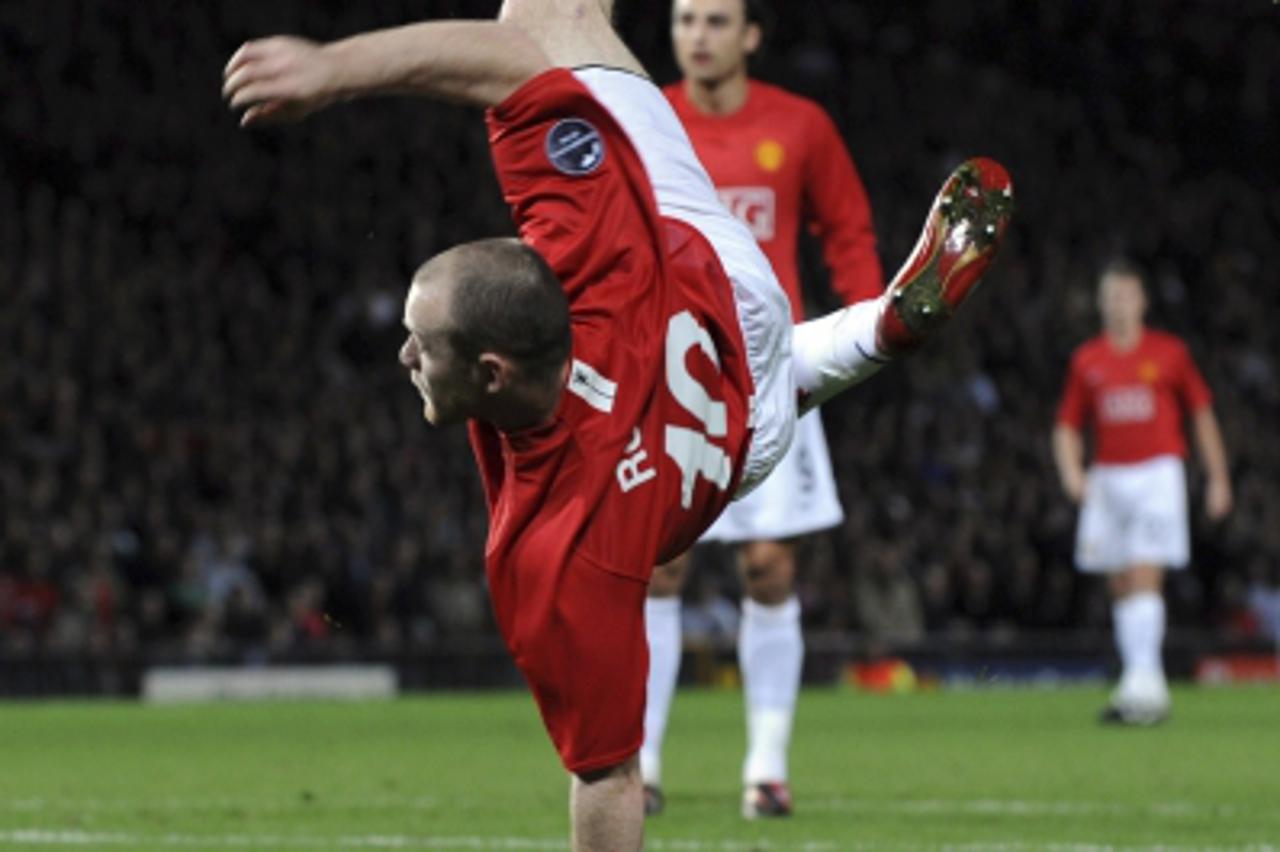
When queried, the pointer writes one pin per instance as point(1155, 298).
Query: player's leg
point(770, 655)
point(1134, 523)
point(662, 629)
point(960, 238)
point(605, 808)
point(798, 498)
point(1139, 619)
point(573, 33)
point(837, 351)
point(1160, 540)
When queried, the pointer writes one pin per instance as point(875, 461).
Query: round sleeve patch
point(575, 147)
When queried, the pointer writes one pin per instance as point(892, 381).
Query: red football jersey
point(778, 163)
point(646, 446)
point(1134, 400)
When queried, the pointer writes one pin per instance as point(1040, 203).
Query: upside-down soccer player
point(627, 365)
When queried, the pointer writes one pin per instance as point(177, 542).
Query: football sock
point(1140, 623)
point(770, 653)
point(836, 351)
point(662, 627)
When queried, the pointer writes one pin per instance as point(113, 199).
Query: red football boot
point(960, 238)
point(770, 799)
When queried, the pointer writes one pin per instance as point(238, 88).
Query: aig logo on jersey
point(1130, 404)
point(755, 206)
point(575, 147)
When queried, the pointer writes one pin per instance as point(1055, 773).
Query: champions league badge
point(575, 147)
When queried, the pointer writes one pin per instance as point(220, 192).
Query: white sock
point(662, 627)
point(1139, 623)
point(770, 654)
point(836, 351)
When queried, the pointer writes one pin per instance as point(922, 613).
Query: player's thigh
point(669, 578)
point(572, 33)
point(587, 662)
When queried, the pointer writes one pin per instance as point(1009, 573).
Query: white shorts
point(798, 498)
point(684, 192)
point(1134, 514)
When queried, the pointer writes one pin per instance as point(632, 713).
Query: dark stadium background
point(209, 453)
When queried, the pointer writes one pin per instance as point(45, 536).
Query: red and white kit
point(1135, 503)
point(680, 392)
point(779, 164)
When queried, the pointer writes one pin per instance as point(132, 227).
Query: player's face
point(712, 38)
point(1121, 300)
point(445, 381)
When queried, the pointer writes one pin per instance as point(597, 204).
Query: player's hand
point(282, 78)
point(1217, 499)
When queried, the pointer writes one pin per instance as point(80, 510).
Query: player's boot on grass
point(654, 801)
point(1139, 701)
point(771, 799)
point(959, 241)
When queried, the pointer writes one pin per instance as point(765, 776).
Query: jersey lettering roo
point(692, 451)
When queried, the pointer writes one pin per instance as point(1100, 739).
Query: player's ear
point(494, 372)
point(752, 37)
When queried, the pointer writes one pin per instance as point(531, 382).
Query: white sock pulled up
point(770, 654)
point(662, 627)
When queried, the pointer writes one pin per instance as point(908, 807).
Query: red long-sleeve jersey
point(779, 163)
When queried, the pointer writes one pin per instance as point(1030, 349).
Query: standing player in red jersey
point(778, 164)
point(1134, 385)
point(628, 364)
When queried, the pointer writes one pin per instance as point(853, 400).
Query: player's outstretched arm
point(284, 78)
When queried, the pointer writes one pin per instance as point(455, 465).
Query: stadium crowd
point(206, 442)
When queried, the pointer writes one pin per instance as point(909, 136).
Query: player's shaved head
point(503, 298)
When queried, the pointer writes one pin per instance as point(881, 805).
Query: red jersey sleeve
point(839, 213)
point(1074, 407)
point(1192, 389)
point(573, 182)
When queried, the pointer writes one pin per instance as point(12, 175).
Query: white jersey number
point(690, 449)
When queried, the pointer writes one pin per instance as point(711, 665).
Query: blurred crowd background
point(207, 445)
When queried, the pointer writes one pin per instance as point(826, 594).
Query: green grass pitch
point(988, 769)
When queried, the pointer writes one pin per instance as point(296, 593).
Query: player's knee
point(1146, 578)
point(768, 589)
point(768, 571)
